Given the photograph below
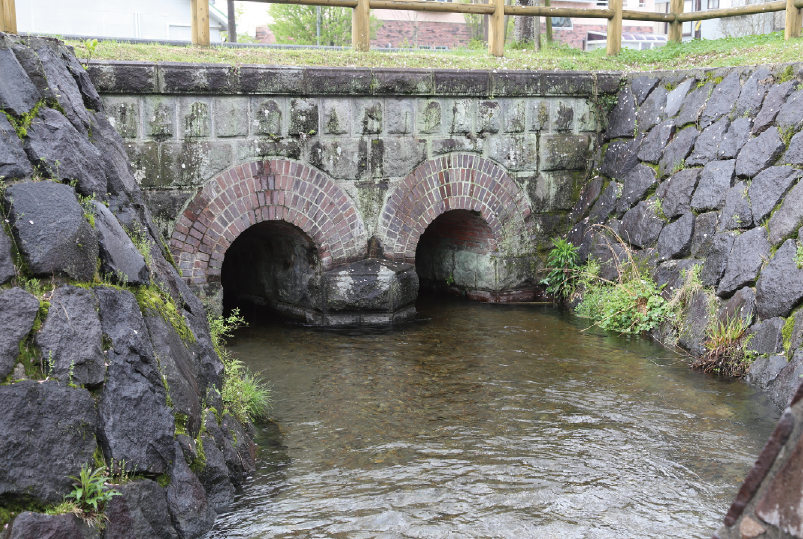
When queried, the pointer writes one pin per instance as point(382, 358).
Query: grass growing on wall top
point(750, 50)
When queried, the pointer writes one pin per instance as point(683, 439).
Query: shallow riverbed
point(490, 421)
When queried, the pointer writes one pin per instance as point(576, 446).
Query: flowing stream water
point(490, 421)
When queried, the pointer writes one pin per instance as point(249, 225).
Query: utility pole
point(232, 23)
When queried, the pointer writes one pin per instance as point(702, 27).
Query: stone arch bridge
point(332, 194)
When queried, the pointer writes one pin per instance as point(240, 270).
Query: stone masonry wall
point(368, 140)
point(702, 169)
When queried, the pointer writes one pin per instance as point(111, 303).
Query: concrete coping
point(127, 77)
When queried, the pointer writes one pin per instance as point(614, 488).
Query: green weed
point(90, 494)
point(562, 265)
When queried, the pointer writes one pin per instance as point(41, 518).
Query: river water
point(490, 421)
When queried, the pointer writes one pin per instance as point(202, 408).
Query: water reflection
point(490, 422)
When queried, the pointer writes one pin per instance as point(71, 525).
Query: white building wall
point(147, 19)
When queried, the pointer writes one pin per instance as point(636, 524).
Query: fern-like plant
point(561, 280)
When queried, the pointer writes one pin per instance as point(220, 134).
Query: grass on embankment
point(751, 50)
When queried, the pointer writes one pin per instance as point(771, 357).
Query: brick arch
point(273, 190)
point(450, 182)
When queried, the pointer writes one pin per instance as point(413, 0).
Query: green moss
point(786, 332)
point(13, 507)
point(786, 75)
point(786, 134)
point(181, 423)
point(151, 300)
point(169, 400)
point(163, 480)
point(98, 457)
point(199, 462)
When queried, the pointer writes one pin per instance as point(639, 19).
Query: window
point(561, 23)
point(713, 4)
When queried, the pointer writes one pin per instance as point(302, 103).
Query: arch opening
point(272, 266)
point(456, 254)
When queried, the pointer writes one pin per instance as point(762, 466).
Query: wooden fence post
point(676, 27)
point(793, 21)
point(8, 17)
point(496, 30)
point(615, 28)
point(200, 23)
point(360, 29)
point(548, 22)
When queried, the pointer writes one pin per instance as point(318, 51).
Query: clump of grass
point(726, 348)
point(90, 495)
point(245, 395)
point(562, 264)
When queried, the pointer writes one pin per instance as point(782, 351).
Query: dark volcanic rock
point(7, 270)
point(768, 188)
point(717, 260)
point(671, 274)
point(13, 161)
point(791, 114)
point(741, 304)
point(766, 337)
point(587, 198)
point(737, 212)
point(764, 370)
point(780, 287)
point(656, 140)
point(117, 166)
point(119, 258)
point(622, 120)
point(702, 241)
point(759, 153)
point(793, 155)
point(50, 230)
point(48, 433)
point(139, 512)
point(786, 383)
point(40, 526)
point(17, 312)
point(642, 86)
point(122, 322)
point(215, 476)
point(135, 423)
point(181, 370)
point(651, 112)
point(772, 105)
point(753, 92)
point(706, 147)
point(189, 508)
point(621, 157)
point(678, 150)
point(18, 95)
point(71, 337)
point(789, 217)
point(48, 70)
point(693, 105)
point(636, 185)
point(605, 204)
point(237, 448)
point(641, 226)
point(675, 238)
point(722, 99)
point(748, 254)
point(735, 139)
point(55, 146)
point(676, 192)
point(715, 181)
point(694, 321)
point(675, 98)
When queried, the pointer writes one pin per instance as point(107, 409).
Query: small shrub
point(245, 395)
point(563, 269)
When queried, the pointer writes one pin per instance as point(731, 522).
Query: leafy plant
point(90, 492)
point(562, 265)
point(245, 395)
point(91, 45)
point(799, 255)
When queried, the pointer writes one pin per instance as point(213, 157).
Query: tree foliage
point(297, 25)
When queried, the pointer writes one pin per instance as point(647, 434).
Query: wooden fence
point(496, 10)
